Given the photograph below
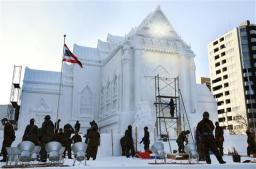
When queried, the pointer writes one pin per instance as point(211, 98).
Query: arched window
point(86, 102)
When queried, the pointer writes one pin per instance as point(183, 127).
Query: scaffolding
point(14, 107)
point(171, 116)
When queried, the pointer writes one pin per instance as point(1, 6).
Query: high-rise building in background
point(232, 62)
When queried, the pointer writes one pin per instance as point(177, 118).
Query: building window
point(221, 39)
point(217, 87)
point(227, 101)
point(225, 84)
point(225, 76)
point(222, 46)
point(220, 103)
point(222, 119)
point(216, 57)
point(228, 109)
point(215, 43)
point(223, 61)
point(218, 72)
point(216, 50)
point(216, 80)
point(223, 54)
point(226, 93)
point(221, 111)
point(217, 64)
point(229, 118)
point(218, 95)
point(224, 69)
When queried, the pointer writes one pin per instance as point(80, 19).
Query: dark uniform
point(251, 148)
point(123, 146)
point(77, 126)
point(60, 137)
point(129, 150)
point(171, 104)
point(199, 146)
point(145, 140)
point(68, 130)
point(46, 135)
point(76, 138)
point(205, 130)
point(219, 137)
point(31, 133)
point(93, 143)
point(93, 124)
point(9, 137)
point(181, 139)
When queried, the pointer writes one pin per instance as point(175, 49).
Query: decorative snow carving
point(86, 102)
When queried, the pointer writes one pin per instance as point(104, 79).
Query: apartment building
point(232, 63)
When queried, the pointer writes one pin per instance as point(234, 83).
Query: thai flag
point(70, 57)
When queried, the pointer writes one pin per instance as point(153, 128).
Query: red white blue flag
point(70, 57)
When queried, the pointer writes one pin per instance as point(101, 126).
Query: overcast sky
point(31, 32)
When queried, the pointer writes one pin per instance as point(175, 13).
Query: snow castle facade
point(115, 83)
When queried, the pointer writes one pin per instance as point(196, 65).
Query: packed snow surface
point(136, 163)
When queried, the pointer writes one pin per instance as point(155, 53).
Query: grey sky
point(31, 32)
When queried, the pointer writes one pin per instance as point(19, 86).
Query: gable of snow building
point(156, 33)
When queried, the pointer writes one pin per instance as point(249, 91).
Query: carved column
point(126, 79)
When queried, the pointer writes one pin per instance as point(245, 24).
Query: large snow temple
point(116, 86)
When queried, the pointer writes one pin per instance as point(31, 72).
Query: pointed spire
point(158, 8)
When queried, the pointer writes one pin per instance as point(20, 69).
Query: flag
point(70, 57)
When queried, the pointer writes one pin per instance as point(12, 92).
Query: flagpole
point(60, 84)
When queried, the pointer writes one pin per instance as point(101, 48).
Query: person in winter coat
point(93, 143)
point(123, 146)
point(31, 132)
point(68, 130)
point(182, 138)
point(60, 137)
point(251, 148)
point(219, 137)
point(205, 130)
point(77, 126)
point(9, 137)
point(145, 140)
point(46, 135)
point(129, 143)
point(76, 138)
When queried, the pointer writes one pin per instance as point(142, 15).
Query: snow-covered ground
point(135, 163)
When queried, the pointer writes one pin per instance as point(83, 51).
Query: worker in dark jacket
point(93, 143)
point(31, 133)
point(123, 146)
point(68, 130)
point(60, 137)
point(46, 135)
point(129, 142)
point(205, 130)
point(172, 107)
point(182, 138)
point(251, 148)
point(93, 124)
point(76, 138)
point(77, 126)
point(145, 140)
point(219, 137)
point(9, 137)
